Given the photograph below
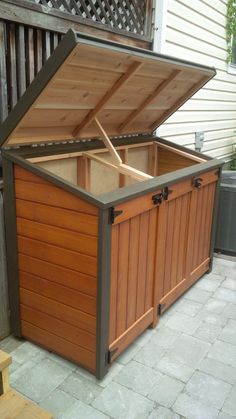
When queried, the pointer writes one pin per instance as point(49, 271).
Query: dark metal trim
point(103, 293)
point(214, 220)
point(11, 246)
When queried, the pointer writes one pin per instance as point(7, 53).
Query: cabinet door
point(173, 222)
point(184, 235)
point(134, 239)
point(200, 226)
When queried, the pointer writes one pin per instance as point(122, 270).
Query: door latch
point(158, 198)
point(197, 182)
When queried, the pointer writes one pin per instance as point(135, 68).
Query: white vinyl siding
point(195, 31)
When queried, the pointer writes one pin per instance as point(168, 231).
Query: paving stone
point(223, 352)
point(114, 369)
point(208, 332)
point(145, 337)
point(57, 402)
point(174, 369)
point(215, 306)
point(163, 413)
point(213, 276)
point(230, 283)
point(150, 354)
point(41, 379)
point(183, 323)
point(165, 337)
point(230, 311)
point(13, 367)
point(225, 261)
point(224, 270)
point(208, 389)
point(80, 410)
point(188, 350)
point(128, 354)
point(208, 284)
point(230, 403)
point(191, 308)
point(62, 361)
point(138, 378)
point(209, 317)
point(223, 415)
point(22, 370)
point(218, 369)
point(225, 294)
point(192, 408)
point(28, 351)
point(166, 391)
point(10, 344)
point(119, 402)
point(198, 295)
point(228, 334)
point(80, 387)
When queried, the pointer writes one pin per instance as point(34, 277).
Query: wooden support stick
point(124, 158)
point(83, 172)
point(121, 168)
point(108, 143)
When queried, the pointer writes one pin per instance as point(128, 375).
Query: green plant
point(233, 161)
point(231, 28)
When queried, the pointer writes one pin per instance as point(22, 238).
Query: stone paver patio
point(185, 368)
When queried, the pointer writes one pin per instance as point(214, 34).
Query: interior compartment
point(96, 176)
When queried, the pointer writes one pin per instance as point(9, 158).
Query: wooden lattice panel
point(122, 14)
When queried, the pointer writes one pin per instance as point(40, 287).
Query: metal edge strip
point(103, 293)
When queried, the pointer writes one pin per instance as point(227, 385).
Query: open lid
point(130, 91)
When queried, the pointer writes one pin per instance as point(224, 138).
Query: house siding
point(195, 31)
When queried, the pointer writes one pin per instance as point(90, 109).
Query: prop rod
point(108, 143)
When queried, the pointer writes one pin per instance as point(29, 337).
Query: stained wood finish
point(132, 275)
point(169, 161)
point(186, 222)
point(57, 255)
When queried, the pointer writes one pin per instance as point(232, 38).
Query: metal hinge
point(110, 354)
point(162, 196)
point(160, 308)
point(113, 214)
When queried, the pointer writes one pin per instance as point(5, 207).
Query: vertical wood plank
point(169, 245)
point(142, 263)
point(84, 172)
point(29, 55)
point(184, 220)
point(11, 65)
point(38, 53)
point(124, 158)
point(151, 247)
point(20, 60)
point(122, 277)
point(177, 245)
point(153, 159)
point(46, 46)
point(4, 306)
point(113, 289)
point(133, 270)
point(3, 74)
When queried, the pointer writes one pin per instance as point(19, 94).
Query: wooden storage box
point(102, 236)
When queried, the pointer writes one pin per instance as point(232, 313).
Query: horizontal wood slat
point(65, 348)
point(51, 195)
point(67, 219)
point(66, 277)
point(62, 257)
point(58, 310)
point(58, 293)
point(59, 328)
point(130, 334)
point(57, 236)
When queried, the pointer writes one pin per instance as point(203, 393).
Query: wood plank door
point(134, 239)
point(200, 225)
point(184, 235)
point(173, 221)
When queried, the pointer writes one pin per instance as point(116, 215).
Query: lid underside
point(128, 91)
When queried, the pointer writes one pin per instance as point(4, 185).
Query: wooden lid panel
point(129, 91)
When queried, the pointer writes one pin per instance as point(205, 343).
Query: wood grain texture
point(132, 271)
point(61, 346)
point(57, 254)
